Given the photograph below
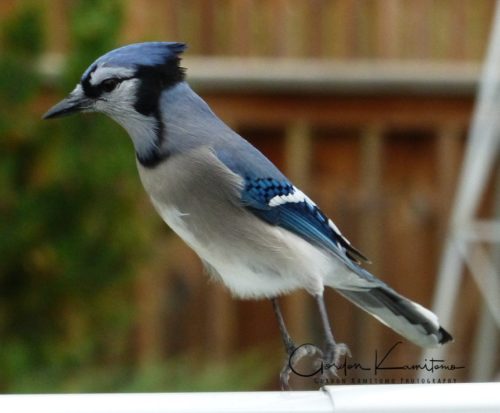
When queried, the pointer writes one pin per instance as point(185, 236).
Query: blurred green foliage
point(72, 233)
point(66, 190)
point(248, 371)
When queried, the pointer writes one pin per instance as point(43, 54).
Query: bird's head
point(125, 83)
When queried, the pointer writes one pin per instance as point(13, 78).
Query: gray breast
point(201, 189)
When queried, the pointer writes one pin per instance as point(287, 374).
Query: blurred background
point(364, 104)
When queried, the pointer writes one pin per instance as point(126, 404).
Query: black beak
point(75, 102)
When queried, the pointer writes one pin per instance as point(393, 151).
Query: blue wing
point(268, 194)
point(280, 203)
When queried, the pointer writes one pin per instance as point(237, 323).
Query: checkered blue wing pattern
point(278, 202)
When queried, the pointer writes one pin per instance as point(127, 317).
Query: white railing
point(428, 398)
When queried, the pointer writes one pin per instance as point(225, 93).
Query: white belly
point(292, 265)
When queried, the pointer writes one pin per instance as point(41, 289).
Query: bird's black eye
point(109, 85)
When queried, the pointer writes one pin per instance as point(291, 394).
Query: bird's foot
point(331, 359)
point(295, 354)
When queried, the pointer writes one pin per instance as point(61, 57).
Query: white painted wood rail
point(428, 398)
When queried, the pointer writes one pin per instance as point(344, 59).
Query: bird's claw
point(333, 353)
point(295, 354)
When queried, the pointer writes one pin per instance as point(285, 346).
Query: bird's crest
point(156, 63)
point(139, 55)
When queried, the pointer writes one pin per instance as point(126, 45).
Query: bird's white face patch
point(119, 103)
point(103, 73)
point(119, 106)
point(296, 196)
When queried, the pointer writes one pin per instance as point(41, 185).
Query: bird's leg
point(287, 339)
point(333, 351)
point(297, 353)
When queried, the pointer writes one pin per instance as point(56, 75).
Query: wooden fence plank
point(298, 155)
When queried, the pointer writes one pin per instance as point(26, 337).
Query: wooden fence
point(340, 29)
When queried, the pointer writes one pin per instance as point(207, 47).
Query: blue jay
point(252, 228)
